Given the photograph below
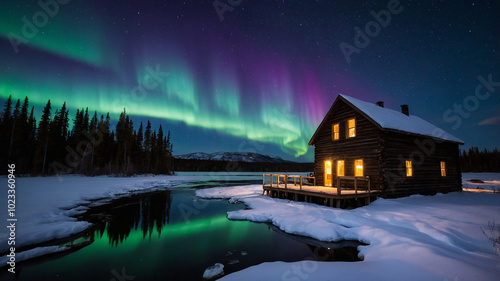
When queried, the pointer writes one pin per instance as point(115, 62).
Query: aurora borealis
point(261, 79)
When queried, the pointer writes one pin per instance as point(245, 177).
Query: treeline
point(478, 161)
point(232, 166)
point(91, 147)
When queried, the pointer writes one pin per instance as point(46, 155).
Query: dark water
point(172, 235)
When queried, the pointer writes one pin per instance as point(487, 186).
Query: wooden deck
point(301, 188)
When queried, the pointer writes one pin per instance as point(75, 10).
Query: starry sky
point(256, 76)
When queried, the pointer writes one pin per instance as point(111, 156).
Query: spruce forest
point(48, 146)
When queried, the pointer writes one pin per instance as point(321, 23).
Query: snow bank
point(490, 182)
point(413, 238)
point(226, 193)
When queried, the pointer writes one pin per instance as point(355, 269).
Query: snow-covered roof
point(395, 120)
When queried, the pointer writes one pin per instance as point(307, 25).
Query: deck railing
point(285, 186)
point(356, 179)
point(277, 179)
point(282, 180)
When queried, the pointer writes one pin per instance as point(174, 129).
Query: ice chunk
point(214, 271)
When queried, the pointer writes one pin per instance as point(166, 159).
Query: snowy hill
point(234, 156)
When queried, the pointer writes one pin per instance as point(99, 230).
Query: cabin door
point(328, 173)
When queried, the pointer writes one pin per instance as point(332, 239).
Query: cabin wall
point(426, 155)
point(366, 146)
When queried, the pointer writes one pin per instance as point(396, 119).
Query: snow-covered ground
point(414, 238)
point(490, 182)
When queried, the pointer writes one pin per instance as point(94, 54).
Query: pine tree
point(5, 128)
point(147, 147)
point(93, 130)
point(124, 139)
point(6, 116)
point(139, 150)
point(154, 153)
point(20, 139)
point(58, 135)
point(161, 165)
point(30, 146)
point(42, 140)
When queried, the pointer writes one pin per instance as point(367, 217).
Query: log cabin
point(401, 154)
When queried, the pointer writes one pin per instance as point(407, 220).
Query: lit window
point(351, 128)
point(340, 168)
point(409, 168)
point(335, 131)
point(328, 173)
point(358, 168)
point(443, 169)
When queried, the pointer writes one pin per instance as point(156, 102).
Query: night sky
point(256, 76)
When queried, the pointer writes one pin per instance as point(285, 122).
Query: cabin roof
point(388, 119)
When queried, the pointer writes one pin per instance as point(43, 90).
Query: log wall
point(426, 155)
point(365, 145)
point(384, 155)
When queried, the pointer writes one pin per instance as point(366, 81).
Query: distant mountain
point(234, 156)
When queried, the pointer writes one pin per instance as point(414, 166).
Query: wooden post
point(356, 188)
point(369, 189)
point(286, 182)
point(337, 203)
point(338, 187)
point(300, 183)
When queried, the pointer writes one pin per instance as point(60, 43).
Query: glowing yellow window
point(443, 169)
point(409, 168)
point(351, 128)
point(358, 168)
point(335, 131)
point(328, 173)
point(340, 168)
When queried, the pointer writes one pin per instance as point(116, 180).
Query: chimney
point(380, 103)
point(405, 110)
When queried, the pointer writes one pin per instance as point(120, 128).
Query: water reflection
point(152, 213)
point(149, 212)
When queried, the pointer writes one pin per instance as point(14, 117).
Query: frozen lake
point(171, 234)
